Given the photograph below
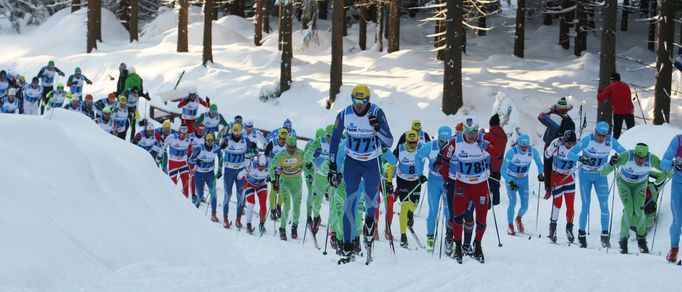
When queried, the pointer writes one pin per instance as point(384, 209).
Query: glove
point(423, 179)
point(275, 186)
point(614, 159)
point(219, 175)
point(547, 195)
point(89, 82)
point(446, 184)
point(649, 207)
point(677, 164)
point(513, 186)
point(584, 160)
point(374, 122)
point(267, 179)
point(541, 177)
point(61, 74)
point(309, 165)
point(333, 175)
point(389, 188)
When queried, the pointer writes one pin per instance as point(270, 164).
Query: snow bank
point(80, 204)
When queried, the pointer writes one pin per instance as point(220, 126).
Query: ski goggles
point(360, 100)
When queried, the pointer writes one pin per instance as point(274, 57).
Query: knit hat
point(494, 120)
point(615, 76)
point(562, 104)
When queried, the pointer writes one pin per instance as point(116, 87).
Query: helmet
point(319, 133)
point(283, 133)
point(111, 96)
point(411, 136)
point(200, 127)
point(602, 128)
point(523, 140)
point(444, 133)
point(416, 125)
point(122, 99)
point(360, 91)
point(74, 97)
point(248, 123)
point(262, 161)
point(183, 130)
point(287, 124)
point(470, 124)
point(238, 119)
point(106, 110)
point(149, 127)
point(166, 124)
point(3, 73)
point(209, 137)
point(131, 69)
point(641, 150)
point(78, 70)
point(191, 91)
point(291, 141)
point(213, 108)
point(22, 78)
point(50, 63)
point(88, 96)
point(60, 85)
point(570, 137)
point(237, 128)
point(35, 80)
point(459, 127)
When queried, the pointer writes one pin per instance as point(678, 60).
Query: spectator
point(557, 122)
point(498, 139)
point(621, 103)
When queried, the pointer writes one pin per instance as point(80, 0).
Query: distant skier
point(255, 177)
point(133, 96)
point(423, 136)
point(621, 103)
point(271, 149)
point(56, 98)
point(234, 146)
point(285, 171)
point(76, 81)
point(149, 140)
point(133, 80)
point(164, 132)
point(105, 121)
point(435, 188)
point(563, 182)
point(120, 116)
point(212, 120)
point(672, 162)
point(557, 122)
point(178, 147)
point(286, 125)
point(47, 79)
point(33, 95)
point(203, 160)
point(254, 138)
point(190, 107)
point(122, 76)
point(5, 83)
point(109, 101)
point(74, 104)
point(316, 154)
point(9, 104)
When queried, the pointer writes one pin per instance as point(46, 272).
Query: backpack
point(566, 124)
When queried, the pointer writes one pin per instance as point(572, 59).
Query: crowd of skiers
point(351, 164)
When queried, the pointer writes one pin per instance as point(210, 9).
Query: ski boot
point(333, 242)
point(510, 229)
point(448, 247)
point(294, 231)
point(467, 250)
point(214, 218)
point(430, 243)
point(641, 243)
point(457, 253)
point(569, 232)
point(273, 214)
point(582, 238)
point(347, 254)
point(403, 241)
point(519, 224)
point(356, 246)
point(672, 255)
point(478, 252)
point(226, 223)
point(283, 234)
point(249, 228)
point(552, 232)
point(605, 242)
point(238, 222)
point(623, 243)
point(261, 228)
point(316, 225)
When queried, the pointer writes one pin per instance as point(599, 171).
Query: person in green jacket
point(315, 155)
point(309, 171)
point(285, 171)
point(654, 189)
point(133, 80)
point(633, 169)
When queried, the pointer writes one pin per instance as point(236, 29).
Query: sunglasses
point(360, 100)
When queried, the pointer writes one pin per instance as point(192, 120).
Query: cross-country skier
point(595, 150)
point(74, 104)
point(563, 183)
point(309, 172)
point(672, 161)
point(315, 156)
point(271, 149)
point(203, 160)
point(46, 75)
point(286, 125)
point(105, 121)
point(254, 138)
point(133, 80)
point(190, 107)
point(33, 95)
point(285, 171)
point(109, 101)
point(149, 140)
point(234, 145)
point(178, 147)
point(19, 85)
point(653, 190)
point(9, 104)
point(255, 177)
point(4, 83)
point(557, 122)
point(212, 120)
point(164, 132)
point(515, 170)
point(196, 139)
point(134, 95)
point(423, 136)
point(633, 170)
point(75, 82)
point(120, 116)
point(435, 189)
point(87, 107)
point(466, 164)
point(368, 132)
point(56, 98)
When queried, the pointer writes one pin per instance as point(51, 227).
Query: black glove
point(267, 179)
point(309, 165)
point(446, 184)
point(614, 160)
point(513, 186)
point(541, 177)
point(333, 176)
point(677, 164)
point(275, 186)
point(389, 188)
point(585, 160)
point(423, 179)
point(649, 207)
point(374, 122)
point(219, 175)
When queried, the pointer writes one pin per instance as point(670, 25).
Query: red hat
point(200, 127)
point(459, 127)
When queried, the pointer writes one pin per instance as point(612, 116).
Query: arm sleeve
point(549, 152)
point(203, 102)
point(200, 119)
point(622, 160)
point(604, 94)
point(273, 165)
point(573, 154)
point(401, 140)
point(58, 71)
point(505, 164)
point(268, 148)
point(384, 133)
point(669, 155)
point(336, 137)
point(193, 158)
point(223, 121)
point(182, 102)
point(538, 161)
point(389, 157)
point(424, 150)
point(617, 147)
point(427, 138)
point(444, 157)
point(656, 162)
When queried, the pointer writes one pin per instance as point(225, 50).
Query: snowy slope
point(79, 204)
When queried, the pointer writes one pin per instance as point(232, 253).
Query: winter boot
point(605, 242)
point(430, 243)
point(214, 218)
point(403, 240)
point(249, 228)
point(641, 243)
point(623, 243)
point(356, 246)
point(294, 231)
point(467, 250)
point(238, 222)
point(478, 252)
point(569, 232)
point(510, 229)
point(457, 254)
point(347, 254)
point(283, 234)
point(672, 255)
point(582, 238)
point(316, 225)
point(519, 224)
point(226, 223)
point(261, 228)
point(552, 232)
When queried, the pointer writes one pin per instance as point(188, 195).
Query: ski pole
point(640, 105)
point(438, 211)
point(420, 207)
point(329, 220)
point(497, 230)
point(658, 205)
point(613, 197)
point(440, 249)
point(537, 211)
point(383, 189)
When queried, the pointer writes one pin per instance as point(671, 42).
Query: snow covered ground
point(90, 212)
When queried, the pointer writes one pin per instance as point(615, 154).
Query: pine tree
point(260, 9)
point(285, 31)
point(93, 7)
point(664, 67)
point(607, 59)
point(580, 28)
point(132, 24)
point(336, 71)
point(452, 78)
point(207, 54)
point(520, 29)
point(394, 26)
point(183, 16)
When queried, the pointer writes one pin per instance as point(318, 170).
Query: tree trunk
point(439, 40)
point(564, 25)
point(464, 36)
point(590, 17)
point(624, 16)
point(98, 19)
point(546, 17)
point(607, 60)
point(322, 12)
point(216, 10)
point(651, 44)
point(183, 45)
point(666, 36)
point(336, 72)
point(644, 7)
point(345, 17)
point(124, 13)
point(452, 77)
point(237, 8)
point(92, 23)
point(520, 33)
point(285, 30)
point(387, 13)
point(267, 6)
point(379, 37)
point(132, 24)
point(258, 36)
point(679, 49)
point(207, 55)
point(482, 20)
point(75, 5)
point(362, 34)
point(394, 27)
point(280, 39)
point(581, 33)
